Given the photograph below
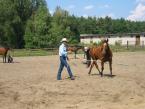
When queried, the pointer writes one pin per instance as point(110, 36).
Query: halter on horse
point(101, 52)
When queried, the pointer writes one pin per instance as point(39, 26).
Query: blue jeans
point(63, 62)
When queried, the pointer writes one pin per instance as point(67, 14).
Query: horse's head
point(7, 48)
point(70, 49)
point(105, 46)
point(85, 49)
point(74, 48)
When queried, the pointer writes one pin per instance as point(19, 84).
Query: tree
point(37, 29)
point(28, 23)
point(7, 19)
point(60, 26)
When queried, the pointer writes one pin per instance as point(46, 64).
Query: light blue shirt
point(62, 50)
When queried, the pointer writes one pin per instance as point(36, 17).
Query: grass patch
point(32, 52)
point(125, 49)
point(46, 52)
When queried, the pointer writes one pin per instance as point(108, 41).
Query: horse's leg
point(6, 57)
point(91, 68)
point(3, 58)
point(97, 67)
point(110, 66)
point(102, 67)
point(75, 54)
point(84, 55)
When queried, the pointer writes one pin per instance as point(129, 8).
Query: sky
point(133, 10)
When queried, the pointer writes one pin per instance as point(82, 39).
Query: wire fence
point(135, 44)
point(129, 46)
point(34, 52)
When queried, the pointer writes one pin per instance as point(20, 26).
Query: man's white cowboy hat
point(64, 40)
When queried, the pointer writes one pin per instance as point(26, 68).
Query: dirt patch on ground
point(30, 83)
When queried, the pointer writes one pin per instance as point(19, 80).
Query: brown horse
point(101, 52)
point(3, 52)
point(74, 49)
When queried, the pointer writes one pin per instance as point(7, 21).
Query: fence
point(135, 44)
point(34, 52)
point(129, 46)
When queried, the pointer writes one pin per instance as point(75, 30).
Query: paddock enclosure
point(30, 83)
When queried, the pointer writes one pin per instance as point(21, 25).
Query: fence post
point(127, 44)
point(142, 44)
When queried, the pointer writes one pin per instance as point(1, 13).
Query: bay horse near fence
point(101, 52)
point(3, 52)
point(75, 49)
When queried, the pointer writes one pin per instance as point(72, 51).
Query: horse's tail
point(88, 57)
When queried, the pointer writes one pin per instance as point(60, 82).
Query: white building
point(122, 39)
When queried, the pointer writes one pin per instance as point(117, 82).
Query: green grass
point(125, 49)
point(30, 52)
point(46, 52)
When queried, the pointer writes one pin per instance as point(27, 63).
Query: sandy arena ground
point(30, 83)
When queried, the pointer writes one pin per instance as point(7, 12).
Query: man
point(63, 60)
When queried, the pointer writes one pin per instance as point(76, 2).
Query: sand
point(30, 83)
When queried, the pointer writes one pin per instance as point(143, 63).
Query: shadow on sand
point(104, 75)
point(11, 62)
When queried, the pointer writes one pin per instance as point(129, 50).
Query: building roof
point(111, 35)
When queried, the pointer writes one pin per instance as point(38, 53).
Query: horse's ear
point(107, 40)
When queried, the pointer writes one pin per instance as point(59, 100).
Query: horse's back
point(96, 52)
point(3, 51)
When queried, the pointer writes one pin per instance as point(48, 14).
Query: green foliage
point(33, 52)
point(28, 24)
point(37, 28)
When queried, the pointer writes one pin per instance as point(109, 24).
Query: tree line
point(29, 24)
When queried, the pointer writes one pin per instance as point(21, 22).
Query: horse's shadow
point(104, 75)
point(11, 62)
point(16, 62)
